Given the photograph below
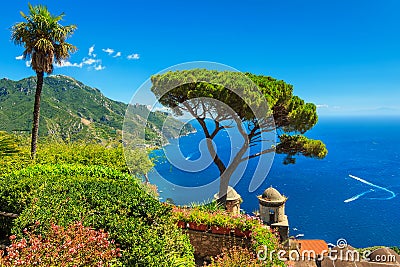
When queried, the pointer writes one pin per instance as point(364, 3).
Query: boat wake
point(393, 194)
point(358, 196)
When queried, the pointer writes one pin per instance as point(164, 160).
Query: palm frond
point(43, 38)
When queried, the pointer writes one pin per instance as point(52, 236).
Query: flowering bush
point(245, 222)
point(219, 218)
point(75, 245)
point(200, 217)
point(236, 257)
point(180, 214)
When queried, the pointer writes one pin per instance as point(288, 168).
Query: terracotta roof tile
point(318, 246)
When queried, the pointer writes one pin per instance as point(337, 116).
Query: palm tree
point(44, 41)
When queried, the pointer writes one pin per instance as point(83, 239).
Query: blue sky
point(342, 55)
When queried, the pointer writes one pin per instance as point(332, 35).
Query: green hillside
point(73, 111)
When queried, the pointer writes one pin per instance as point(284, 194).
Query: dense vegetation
point(7, 145)
point(102, 198)
point(72, 182)
point(72, 111)
point(78, 153)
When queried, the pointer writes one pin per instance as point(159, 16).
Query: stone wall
point(210, 245)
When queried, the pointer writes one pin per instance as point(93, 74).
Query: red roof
point(318, 246)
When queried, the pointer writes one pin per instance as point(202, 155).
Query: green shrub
point(7, 145)
point(93, 154)
point(15, 162)
point(19, 156)
point(264, 239)
point(102, 198)
point(79, 153)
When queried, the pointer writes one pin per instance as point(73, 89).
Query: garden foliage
point(102, 198)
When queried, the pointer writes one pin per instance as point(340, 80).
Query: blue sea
point(353, 193)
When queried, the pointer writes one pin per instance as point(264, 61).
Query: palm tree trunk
point(36, 113)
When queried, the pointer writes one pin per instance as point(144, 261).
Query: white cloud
point(99, 67)
point(133, 56)
point(19, 57)
point(69, 64)
point(28, 63)
point(89, 61)
point(84, 62)
point(91, 50)
point(109, 51)
point(322, 106)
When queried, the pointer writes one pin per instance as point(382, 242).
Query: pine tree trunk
point(36, 113)
point(226, 174)
point(224, 183)
point(223, 191)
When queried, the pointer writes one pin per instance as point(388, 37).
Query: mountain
point(72, 111)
